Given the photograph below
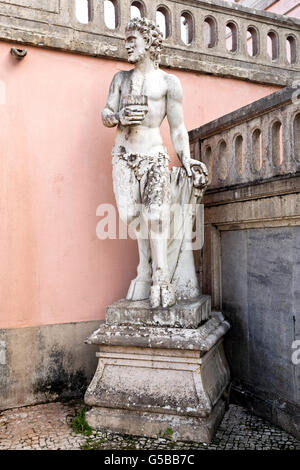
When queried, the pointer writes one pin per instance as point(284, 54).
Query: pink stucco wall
point(286, 7)
point(282, 7)
point(56, 169)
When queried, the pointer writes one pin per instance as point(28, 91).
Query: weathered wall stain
point(58, 379)
point(46, 363)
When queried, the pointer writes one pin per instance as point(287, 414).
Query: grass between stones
point(79, 424)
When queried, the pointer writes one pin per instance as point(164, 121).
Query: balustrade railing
point(219, 38)
point(258, 142)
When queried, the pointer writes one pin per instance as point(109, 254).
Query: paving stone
point(48, 427)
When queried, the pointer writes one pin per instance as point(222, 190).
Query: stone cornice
point(53, 24)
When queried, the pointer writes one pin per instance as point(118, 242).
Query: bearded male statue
point(138, 102)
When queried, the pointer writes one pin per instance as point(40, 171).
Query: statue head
point(143, 37)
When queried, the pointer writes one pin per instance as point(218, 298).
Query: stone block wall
point(251, 255)
point(45, 363)
point(260, 285)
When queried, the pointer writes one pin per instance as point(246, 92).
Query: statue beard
point(138, 57)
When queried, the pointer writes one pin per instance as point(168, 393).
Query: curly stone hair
point(148, 29)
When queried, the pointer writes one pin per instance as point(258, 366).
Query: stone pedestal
point(159, 369)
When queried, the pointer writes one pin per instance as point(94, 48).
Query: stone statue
point(161, 363)
point(138, 102)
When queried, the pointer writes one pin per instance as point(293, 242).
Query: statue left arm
point(179, 135)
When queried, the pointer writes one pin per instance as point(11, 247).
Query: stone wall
point(257, 142)
point(221, 38)
point(251, 254)
point(260, 285)
point(45, 363)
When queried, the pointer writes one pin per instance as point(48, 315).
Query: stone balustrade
point(258, 142)
point(216, 37)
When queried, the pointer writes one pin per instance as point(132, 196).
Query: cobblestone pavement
point(48, 427)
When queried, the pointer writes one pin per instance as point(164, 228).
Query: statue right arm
point(111, 116)
point(110, 112)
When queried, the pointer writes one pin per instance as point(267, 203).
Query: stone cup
point(131, 101)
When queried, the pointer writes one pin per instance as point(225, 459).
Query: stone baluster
point(268, 145)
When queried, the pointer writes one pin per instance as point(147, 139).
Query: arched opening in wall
point(222, 160)
point(257, 149)
point(208, 162)
point(252, 41)
point(137, 10)
point(210, 32)
point(111, 15)
point(276, 142)
point(291, 49)
point(187, 27)
point(163, 21)
point(273, 45)
point(231, 37)
point(296, 137)
point(238, 154)
point(83, 11)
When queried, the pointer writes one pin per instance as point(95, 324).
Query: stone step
point(184, 314)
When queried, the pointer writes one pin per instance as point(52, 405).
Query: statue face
point(136, 46)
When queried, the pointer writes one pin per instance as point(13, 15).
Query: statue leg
point(162, 292)
point(128, 198)
point(139, 288)
point(156, 208)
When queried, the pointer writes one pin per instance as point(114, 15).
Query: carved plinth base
point(153, 378)
point(184, 314)
point(139, 423)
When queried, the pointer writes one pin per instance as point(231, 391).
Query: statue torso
point(146, 137)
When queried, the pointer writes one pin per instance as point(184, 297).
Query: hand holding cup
point(133, 110)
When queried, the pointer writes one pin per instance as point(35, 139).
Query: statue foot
point(139, 289)
point(162, 296)
point(162, 293)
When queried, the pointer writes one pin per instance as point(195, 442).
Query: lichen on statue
point(145, 189)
